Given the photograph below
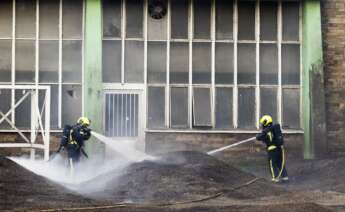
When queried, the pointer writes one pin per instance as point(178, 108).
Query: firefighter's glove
point(260, 136)
point(87, 133)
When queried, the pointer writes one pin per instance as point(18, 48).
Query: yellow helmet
point(266, 120)
point(84, 121)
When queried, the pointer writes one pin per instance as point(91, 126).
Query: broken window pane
point(291, 109)
point(72, 19)
point(179, 62)
point(25, 18)
point(268, 100)
point(5, 60)
point(224, 108)
point(268, 20)
point(246, 108)
point(71, 103)
point(201, 107)
point(6, 18)
point(202, 19)
point(290, 64)
point(111, 61)
point(157, 28)
point(49, 19)
point(246, 20)
point(5, 106)
point(111, 18)
point(224, 18)
point(23, 111)
point(156, 107)
point(246, 64)
point(71, 61)
point(134, 61)
point(201, 63)
point(49, 61)
point(134, 18)
point(156, 62)
point(179, 19)
point(291, 21)
point(268, 64)
point(224, 63)
point(25, 61)
point(179, 108)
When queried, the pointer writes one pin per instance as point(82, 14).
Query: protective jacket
point(65, 137)
point(272, 136)
point(78, 134)
point(73, 140)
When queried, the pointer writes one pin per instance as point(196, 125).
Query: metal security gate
point(121, 114)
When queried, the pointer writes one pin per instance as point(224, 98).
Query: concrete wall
point(333, 29)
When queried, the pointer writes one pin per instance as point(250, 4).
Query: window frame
point(36, 38)
point(235, 85)
point(213, 85)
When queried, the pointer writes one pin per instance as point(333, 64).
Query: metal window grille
point(121, 114)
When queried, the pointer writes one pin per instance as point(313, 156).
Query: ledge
point(217, 131)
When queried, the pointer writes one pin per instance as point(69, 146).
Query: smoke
point(58, 169)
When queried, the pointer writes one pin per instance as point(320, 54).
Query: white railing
point(36, 122)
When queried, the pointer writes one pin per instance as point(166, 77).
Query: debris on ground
point(175, 181)
point(21, 188)
point(179, 176)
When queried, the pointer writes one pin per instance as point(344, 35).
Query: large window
point(41, 42)
point(209, 64)
point(123, 41)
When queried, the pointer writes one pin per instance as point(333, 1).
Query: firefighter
point(272, 136)
point(79, 133)
point(73, 139)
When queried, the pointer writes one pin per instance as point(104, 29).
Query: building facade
point(160, 71)
point(333, 28)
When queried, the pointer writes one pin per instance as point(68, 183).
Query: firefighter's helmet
point(84, 121)
point(266, 120)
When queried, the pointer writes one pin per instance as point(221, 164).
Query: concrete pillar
point(93, 72)
point(313, 91)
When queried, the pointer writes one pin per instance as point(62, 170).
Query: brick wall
point(16, 138)
point(160, 142)
point(333, 29)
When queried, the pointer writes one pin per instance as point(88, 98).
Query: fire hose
point(231, 145)
point(124, 205)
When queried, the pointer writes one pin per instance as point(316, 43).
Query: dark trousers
point(73, 153)
point(276, 162)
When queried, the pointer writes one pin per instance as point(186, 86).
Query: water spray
point(230, 146)
point(70, 175)
point(124, 147)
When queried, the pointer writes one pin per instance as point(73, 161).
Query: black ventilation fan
point(157, 8)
